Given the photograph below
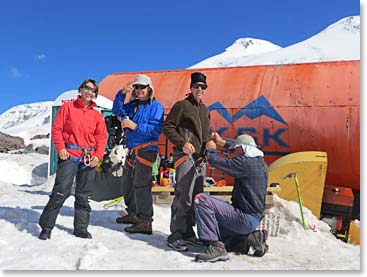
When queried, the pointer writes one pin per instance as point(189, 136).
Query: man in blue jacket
point(231, 227)
point(142, 119)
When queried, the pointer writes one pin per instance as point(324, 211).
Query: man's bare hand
point(93, 161)
point(217, 139)
point(211, 145)
point(127, 88)
point(63, 154)
point(188, 148)
point(127, 123)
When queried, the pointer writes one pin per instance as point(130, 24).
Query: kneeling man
point(231, 227)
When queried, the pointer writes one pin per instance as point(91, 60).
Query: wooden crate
point(164, 195)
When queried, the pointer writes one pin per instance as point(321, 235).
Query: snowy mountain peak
point(27, 121)
point(338, 42)
point(350, 24)
point(241, 49)
point(251, 46)
point(23, 113)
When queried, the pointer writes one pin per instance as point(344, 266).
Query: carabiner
point(87, 157)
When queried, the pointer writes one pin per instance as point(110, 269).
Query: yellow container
point(354, 232)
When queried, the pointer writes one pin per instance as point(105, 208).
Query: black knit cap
point(197, 77)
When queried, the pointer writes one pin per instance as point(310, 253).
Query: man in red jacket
point(79, 134)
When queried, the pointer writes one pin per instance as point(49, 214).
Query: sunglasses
point(89, 89)
point(202, 86)
point(140, 86)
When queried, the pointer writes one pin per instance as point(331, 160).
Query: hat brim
point(240, 144)
point(232, 146)
point(141, 83)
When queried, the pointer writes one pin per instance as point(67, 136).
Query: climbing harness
point(133, 155)
point(85, 158)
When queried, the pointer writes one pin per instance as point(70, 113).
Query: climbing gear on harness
point(197, 164)
point(77, 147)
point(144, 145)
point(180, 161)
point(78, 160)
point(86, 157)
point(131, 159)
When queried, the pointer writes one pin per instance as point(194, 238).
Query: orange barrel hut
point(287, 108)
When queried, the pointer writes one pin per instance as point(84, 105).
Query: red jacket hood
point(79, 102)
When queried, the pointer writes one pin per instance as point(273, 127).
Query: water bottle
point(122, 119)
point(172, 177)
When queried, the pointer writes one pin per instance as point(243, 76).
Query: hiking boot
point(141, 228)
point(178, 245)
point(82, 234)
point(127, 219)
point(239, 245)
point(215, 252)
point(257, 240)
point(45, 234)
point(193, 241)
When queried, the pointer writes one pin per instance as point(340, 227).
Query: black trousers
point(66, 171)
point(137, 186)
point(189, 182)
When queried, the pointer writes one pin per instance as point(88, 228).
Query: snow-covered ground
point(24, 192)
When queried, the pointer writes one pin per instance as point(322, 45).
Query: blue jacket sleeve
point(231, 166)
point(118, 107)
point(155, 123)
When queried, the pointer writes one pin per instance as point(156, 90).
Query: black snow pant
point(137, 186)
point(66, 171)
point(189, 182)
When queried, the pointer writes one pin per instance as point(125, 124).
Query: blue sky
point(48, 47)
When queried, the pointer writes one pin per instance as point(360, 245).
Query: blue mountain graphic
point(256, 108)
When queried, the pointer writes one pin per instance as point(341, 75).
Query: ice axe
point(294, 175)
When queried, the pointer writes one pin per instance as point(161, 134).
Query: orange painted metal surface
point(287, 108)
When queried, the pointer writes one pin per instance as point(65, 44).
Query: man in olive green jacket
point(187, 126)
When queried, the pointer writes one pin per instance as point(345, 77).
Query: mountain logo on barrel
point(258, 107)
